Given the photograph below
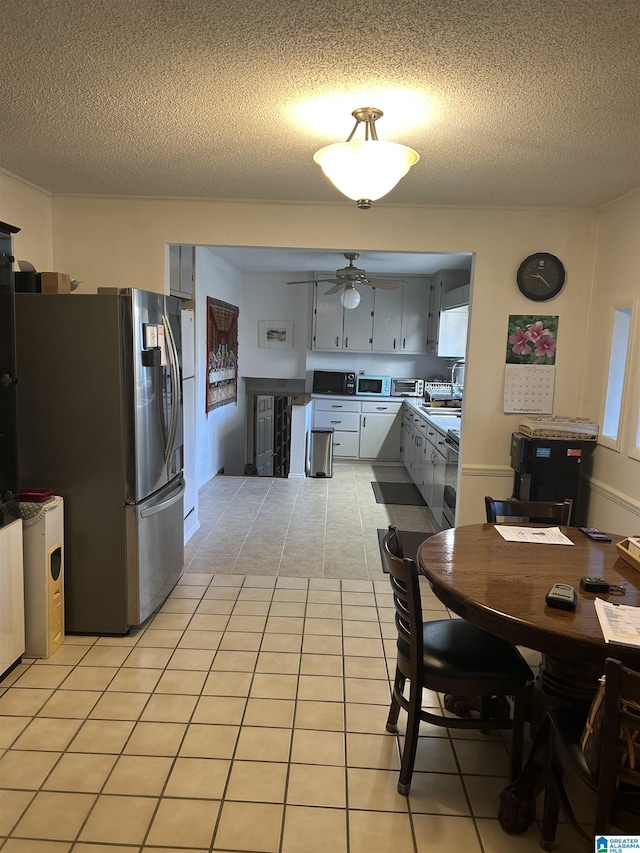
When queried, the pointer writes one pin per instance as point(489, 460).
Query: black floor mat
point(410, 540)
point(397, 493)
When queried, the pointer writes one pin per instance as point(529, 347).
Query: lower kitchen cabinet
point(424, 456)
point(380, 430)
point(343, 417)
point(362, 430)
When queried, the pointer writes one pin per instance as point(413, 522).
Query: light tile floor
point(249, 713)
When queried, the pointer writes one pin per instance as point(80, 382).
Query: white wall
point(28, 208)
point(122, 241)
point(615, 492)
point(269, 297)
point(220, 435)
point(118, 241)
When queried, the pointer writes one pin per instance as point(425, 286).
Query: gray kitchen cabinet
point(387, 320)
point(362, 429)
point(182, 271)
point(339, 328)
point(438, 465)
point(442, 282)
point(415, 316)
point(380, 430)
point(400, 318)
point(343, 417)
point(384, 321)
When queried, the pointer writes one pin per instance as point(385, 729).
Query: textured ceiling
point(514, 102)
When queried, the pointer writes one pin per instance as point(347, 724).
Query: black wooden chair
point(543, 511)
point(612, 795)
point(448, 656)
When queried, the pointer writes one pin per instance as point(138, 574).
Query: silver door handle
point(154, 510)
point(336, 422)
point(173, 367)
point(346, 342)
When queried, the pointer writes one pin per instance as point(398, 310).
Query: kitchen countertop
point(441, 418)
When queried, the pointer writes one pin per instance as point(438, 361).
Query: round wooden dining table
point(501, 586)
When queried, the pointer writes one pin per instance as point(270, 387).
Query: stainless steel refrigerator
point(100, 423)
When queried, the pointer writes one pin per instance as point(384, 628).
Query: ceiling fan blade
point(382, 285)
point(334, 289)
point(317, 281)
point(386, 282)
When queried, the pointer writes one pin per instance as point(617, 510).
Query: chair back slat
point(405, 585)
point(559, 511)
point(619, 751)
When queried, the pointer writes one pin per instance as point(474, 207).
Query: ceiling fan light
point(350, 297)
point(367, 169)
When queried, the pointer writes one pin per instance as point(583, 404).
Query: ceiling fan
point(347, 277)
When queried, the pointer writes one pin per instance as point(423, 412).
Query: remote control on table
point(595, 534)
point(563, 596)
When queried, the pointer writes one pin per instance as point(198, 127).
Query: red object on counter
point(35, 495)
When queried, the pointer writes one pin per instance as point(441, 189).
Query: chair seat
point(457, 649)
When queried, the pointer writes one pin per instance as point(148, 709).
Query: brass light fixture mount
point(367, 116)
point(361, 170)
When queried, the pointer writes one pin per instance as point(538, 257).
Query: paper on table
point(620, 623)
point(544, 535)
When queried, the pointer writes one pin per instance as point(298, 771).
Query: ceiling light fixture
point(368, 169)
point(350, 297)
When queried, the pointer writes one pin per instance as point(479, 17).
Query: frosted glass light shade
point(366, 169)
point(350, 297)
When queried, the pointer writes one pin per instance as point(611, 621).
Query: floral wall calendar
point(530, 369)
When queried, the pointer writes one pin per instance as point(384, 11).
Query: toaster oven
point(407, 387)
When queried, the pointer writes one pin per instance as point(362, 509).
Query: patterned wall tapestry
point(222, 353)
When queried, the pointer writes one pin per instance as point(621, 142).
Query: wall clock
point(541, 276)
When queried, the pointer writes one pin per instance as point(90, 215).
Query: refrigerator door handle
point(154, 510)
point(173, 366)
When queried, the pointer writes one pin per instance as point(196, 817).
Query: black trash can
point(321, 453)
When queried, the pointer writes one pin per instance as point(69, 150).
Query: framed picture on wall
point(275, 335)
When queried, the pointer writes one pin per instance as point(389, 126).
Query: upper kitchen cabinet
point(442, 282)
point(400, 318)
point(182, 271)
point(339, 328)
point(384, 321)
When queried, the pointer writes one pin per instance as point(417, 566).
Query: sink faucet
point(457, 377)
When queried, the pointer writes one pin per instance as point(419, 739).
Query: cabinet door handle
point(382, 408)
point(336, 405)
point(337, 341)
point(364, 422)
point(336, 422)
point(394, 343)
point(404, 343)
point(346, 342)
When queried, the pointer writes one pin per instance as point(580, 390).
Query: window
point(621, 418)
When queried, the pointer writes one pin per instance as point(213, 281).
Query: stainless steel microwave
point(334, 382)
point(373, 386)
point(407, 387)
